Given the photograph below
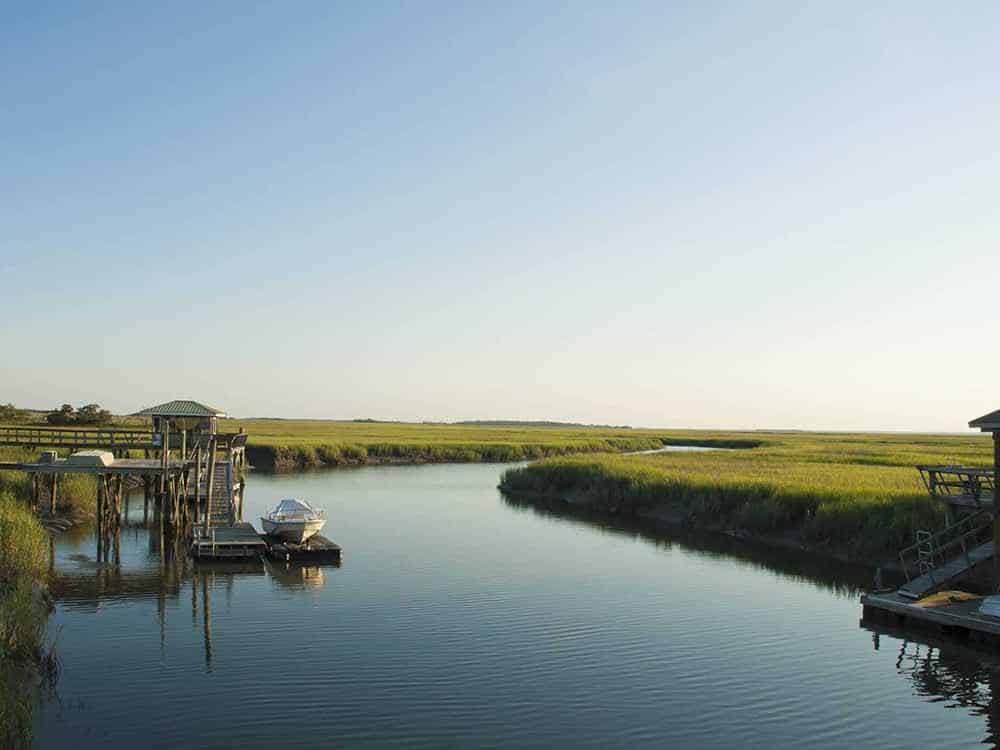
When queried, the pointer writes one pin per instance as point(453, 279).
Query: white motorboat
point(293, 520)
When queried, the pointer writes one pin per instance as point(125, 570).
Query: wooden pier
point(192, 475)
point(960, 619)
point(962, 555)
point(239, 541)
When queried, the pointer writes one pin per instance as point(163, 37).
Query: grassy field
point(856, 495)
point(283, 445)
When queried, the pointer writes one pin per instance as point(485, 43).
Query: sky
point(708, 215)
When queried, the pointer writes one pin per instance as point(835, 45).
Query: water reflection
point(844, 579)
point(90, 574)
point(297, 577)
point(945, 670)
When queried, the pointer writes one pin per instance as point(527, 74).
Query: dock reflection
point(941, 668)
point(144, 561)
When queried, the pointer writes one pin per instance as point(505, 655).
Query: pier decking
point(315, 549)
point(961, 619)
point(239, 541)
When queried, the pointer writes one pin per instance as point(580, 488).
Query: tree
point(65, 414)
point(10, 413)
point(92, 414)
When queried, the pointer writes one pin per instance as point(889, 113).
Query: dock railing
point(959, 485)
point(933, 549)
point(71, 437)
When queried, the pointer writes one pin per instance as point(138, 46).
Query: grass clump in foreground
point(857, 495)
point(23, 564)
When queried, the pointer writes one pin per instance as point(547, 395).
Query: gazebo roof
point(988, 422)
point(181, 409)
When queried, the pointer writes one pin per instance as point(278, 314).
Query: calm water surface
point(459, 619)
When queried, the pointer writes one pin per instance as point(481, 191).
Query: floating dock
point(241, 541)
point(960, 619)
point(237, 542)
point(315, 549)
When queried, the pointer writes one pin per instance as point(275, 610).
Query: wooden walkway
point(944, 574)
point(76, 438)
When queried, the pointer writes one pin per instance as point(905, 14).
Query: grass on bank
point(23, 563)
point(292, 444)
point(857, 494)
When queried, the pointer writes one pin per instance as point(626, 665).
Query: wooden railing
point(961, 485)
point(70, 437)
point(934, 549)
point(107, 438)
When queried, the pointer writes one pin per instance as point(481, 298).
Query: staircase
point(220, 512)
point(939, 558)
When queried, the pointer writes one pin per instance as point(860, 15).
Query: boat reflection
point(298, 577)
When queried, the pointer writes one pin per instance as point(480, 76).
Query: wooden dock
point(316, 549)
point(959, 619)
point(240, 541)
point(236, 542)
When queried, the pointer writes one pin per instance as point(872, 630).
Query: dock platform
point(236, 542)
point(958, 619)
point(241, 541)
point(315, 549)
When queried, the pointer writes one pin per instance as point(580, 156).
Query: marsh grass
point(23, 564)
point(857, 494)
point(282, 445)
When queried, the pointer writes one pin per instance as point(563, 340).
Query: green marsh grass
point(23, 563)
point(854, 494)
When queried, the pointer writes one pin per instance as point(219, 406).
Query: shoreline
point(285, 458)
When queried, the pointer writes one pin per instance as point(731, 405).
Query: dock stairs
point(937, 559)
point(221, 510)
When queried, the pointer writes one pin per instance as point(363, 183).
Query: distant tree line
point(90, 414)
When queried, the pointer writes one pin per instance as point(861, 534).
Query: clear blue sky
point(705, 215)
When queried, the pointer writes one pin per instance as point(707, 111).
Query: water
point(460, 619)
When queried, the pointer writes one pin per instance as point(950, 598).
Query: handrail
point(958, 481)
point(931, 548)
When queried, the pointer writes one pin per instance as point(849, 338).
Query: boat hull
point(292, 531)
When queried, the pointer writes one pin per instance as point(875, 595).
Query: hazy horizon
point(731, 217)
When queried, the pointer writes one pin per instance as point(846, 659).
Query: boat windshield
point(291, 508)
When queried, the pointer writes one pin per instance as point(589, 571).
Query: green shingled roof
point(180, 409)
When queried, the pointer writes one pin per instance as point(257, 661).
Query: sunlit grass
point(855, 493)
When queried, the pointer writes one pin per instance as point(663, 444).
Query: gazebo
point(184, 415)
